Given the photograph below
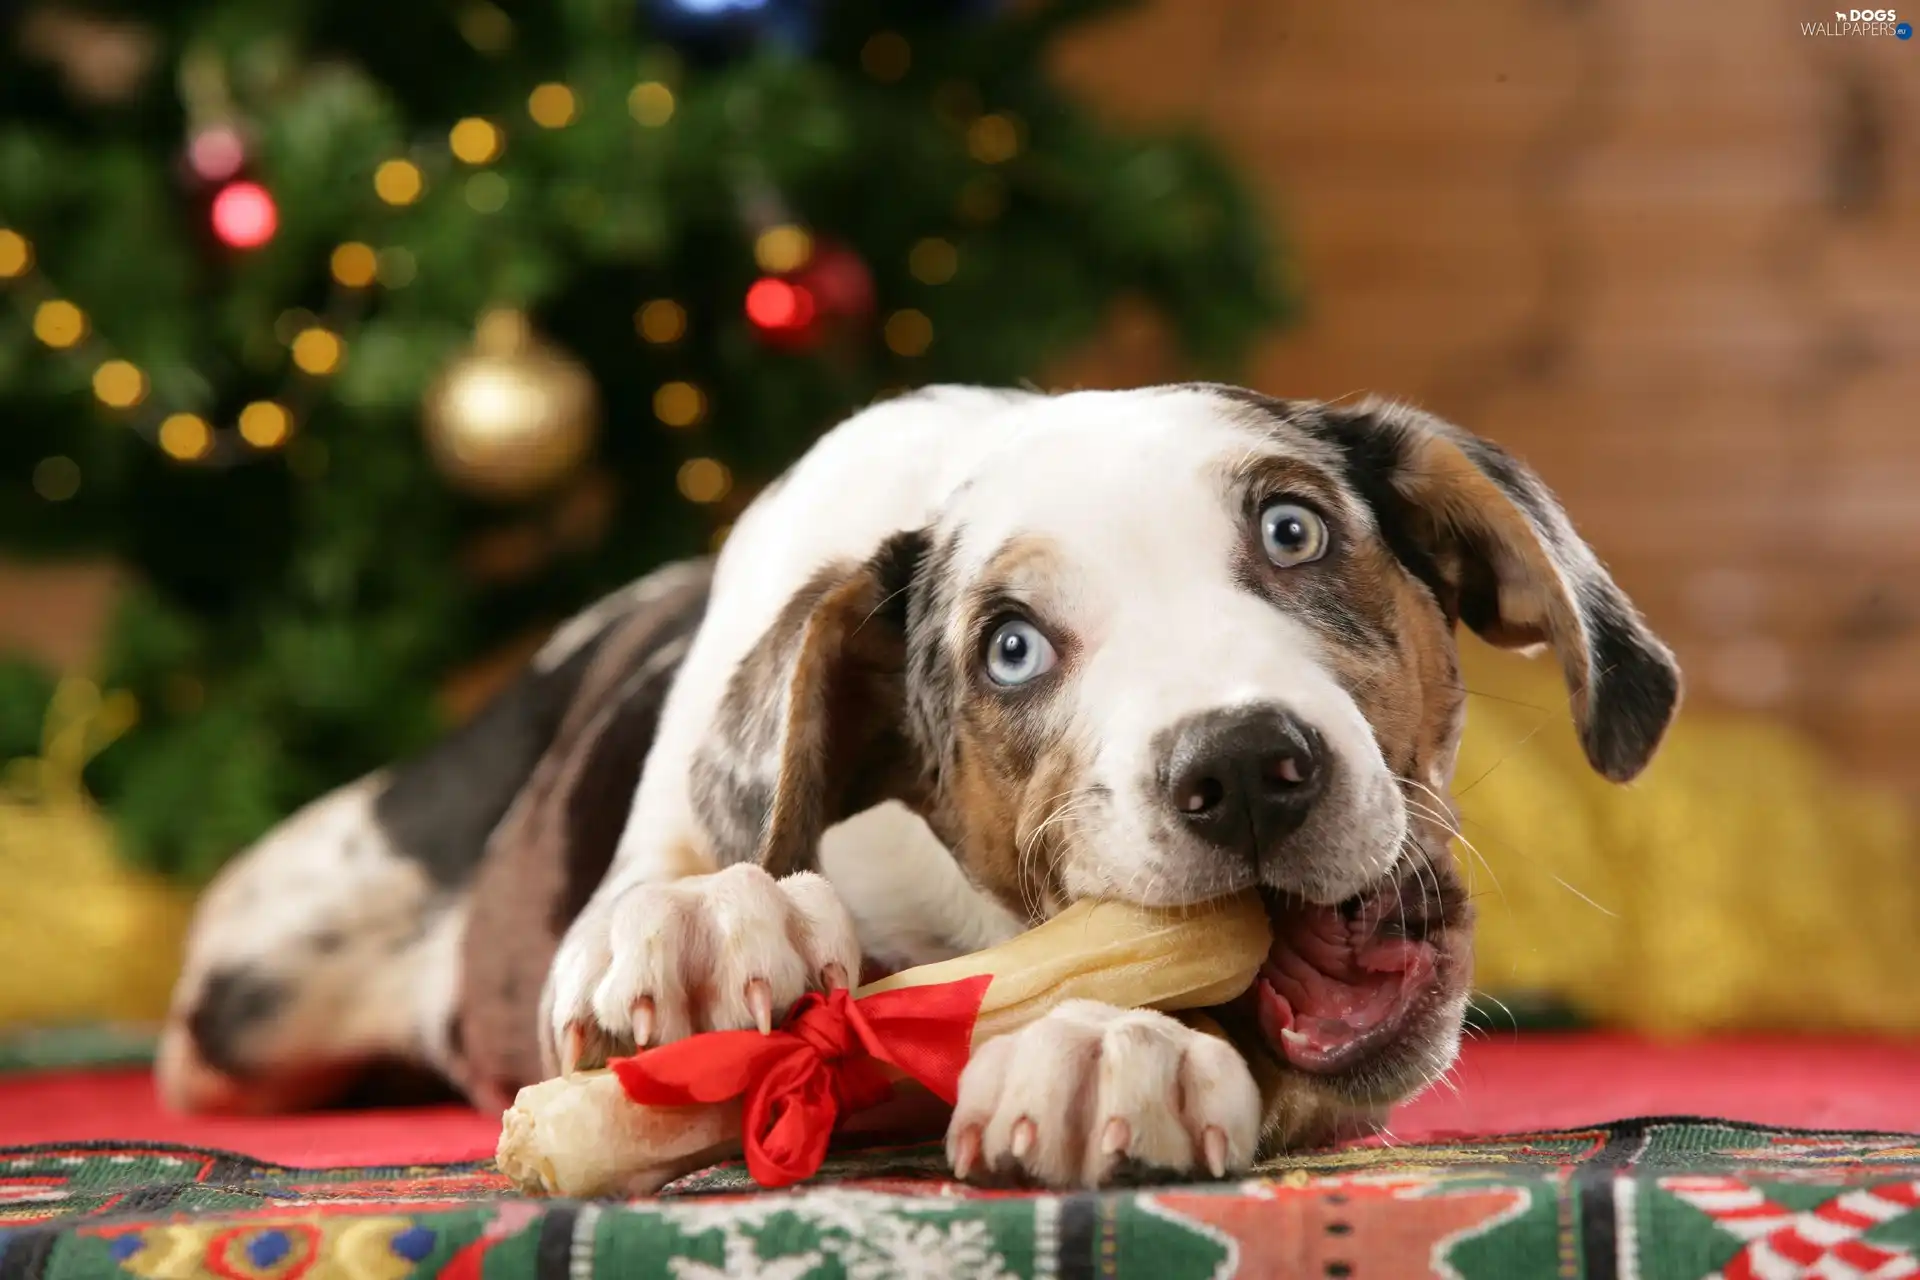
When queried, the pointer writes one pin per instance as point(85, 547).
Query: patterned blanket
point(1664, 1199)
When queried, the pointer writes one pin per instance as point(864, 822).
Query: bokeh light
point(186, 436)
point(679, 404)
point(661, 321)
point(244, 216)
point(704, 480)
point(398, 182)
point(118, 384)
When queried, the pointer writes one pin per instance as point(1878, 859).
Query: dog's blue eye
point(1018, 652)
point(1292, 534)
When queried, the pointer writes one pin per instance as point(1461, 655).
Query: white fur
point(384, 989)
point(908, 897)
point(1133, 491)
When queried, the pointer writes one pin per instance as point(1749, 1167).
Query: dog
point(977, 655)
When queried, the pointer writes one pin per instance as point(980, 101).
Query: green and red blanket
point(1667, 1199)
point(97, 1181)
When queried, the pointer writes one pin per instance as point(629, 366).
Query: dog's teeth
point(1298, 1039)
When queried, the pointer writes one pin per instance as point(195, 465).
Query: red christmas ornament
point(244, 216)
point(783, 312)
point(839, 281)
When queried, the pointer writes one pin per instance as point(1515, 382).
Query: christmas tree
point(373, 338)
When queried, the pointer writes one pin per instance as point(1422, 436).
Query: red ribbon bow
point(823, 1062)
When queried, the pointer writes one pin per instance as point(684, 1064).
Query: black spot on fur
point(858, 756)
point(932, 685)
point(602, 797)
point(1371, 452)
point(440, 807)
point(1636, 688)
point(232, 1004)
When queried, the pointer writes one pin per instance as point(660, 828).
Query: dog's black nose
point(1244, 780)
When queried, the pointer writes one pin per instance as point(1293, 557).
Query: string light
point(650, 103)
point(59, 323)
point(216, 154)
point(397, 267)
point(317, 351)
point(265, 425)
point(993, 139)
point(486, 192)
point(778, 306)
point(909, 333)
point(16, 255)
point(552, 106)
point(661, 321)
point(186, 436)
point(398, 182)
point(983, 198)
point(782, 249)
point(886, 56)
point(244, 216)
point(57, 478)
point(679, 404)
point(475, 141)
point(704, 480)
point(119, 385)
point(956, 102)
point(354, 264)
point(486, 27)
point(289, 323)
point(933, 260)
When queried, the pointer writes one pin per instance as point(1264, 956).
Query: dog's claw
point(1021, 1140)
point(1116, 1137)
point(643, 1016)
point(832, 976)
point(966, 1150)
point(1214, 1143)
point(760, 1002)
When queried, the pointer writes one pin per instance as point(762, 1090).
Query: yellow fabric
point(1741, 882)
point(83, 935)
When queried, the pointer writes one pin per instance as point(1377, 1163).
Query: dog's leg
point(1091, 1094)
point(316, 953)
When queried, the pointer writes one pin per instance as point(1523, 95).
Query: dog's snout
point(1244, 780)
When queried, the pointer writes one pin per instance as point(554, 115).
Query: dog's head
point(1166, 645)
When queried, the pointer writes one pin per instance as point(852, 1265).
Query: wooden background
point(1668, 252)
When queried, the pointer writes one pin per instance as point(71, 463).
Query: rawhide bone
point(583, 1135)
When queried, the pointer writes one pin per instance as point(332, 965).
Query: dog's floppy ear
point(811, 728)
point(1494, 542)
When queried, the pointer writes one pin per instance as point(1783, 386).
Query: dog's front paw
point(1090, 1092)
point(726, 951)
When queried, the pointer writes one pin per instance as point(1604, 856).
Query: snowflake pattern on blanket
point(1654, 1199)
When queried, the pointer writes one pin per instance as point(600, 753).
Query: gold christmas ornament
point(512, 416)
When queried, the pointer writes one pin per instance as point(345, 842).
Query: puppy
point(977, 655)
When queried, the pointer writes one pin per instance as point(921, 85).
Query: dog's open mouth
point(1343, 982)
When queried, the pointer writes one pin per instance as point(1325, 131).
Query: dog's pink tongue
point(1331, 982)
